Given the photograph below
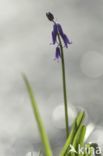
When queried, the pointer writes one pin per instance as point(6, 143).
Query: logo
point(87, 149)
point(72, 149)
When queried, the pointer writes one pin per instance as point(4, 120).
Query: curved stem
point(64, 87)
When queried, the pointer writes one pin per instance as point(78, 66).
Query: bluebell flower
point(57, 53)
point(54, 33)
point(58, 29)
point(66, 40)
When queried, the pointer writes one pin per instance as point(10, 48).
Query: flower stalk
point(64, 87)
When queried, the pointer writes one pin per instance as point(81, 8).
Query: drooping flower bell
point(54, 34)
point(57, 53)
point(57, 29)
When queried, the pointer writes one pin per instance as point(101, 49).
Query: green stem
point(64, 87)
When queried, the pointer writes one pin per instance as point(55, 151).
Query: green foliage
point(43, 134)
point(73, 133)
point(76, 134)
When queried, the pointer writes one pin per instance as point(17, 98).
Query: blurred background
point(25, 37)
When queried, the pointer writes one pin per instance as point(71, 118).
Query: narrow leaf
point(75, 126)
point(82, 135)
point(41, 128)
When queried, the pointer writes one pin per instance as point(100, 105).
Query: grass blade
point(82, 135)
point(75, 126)
point(79, 136)
point(41, 128)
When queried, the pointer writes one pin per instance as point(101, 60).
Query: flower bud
point(50, 16)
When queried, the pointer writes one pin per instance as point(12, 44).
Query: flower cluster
point(58, 32)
